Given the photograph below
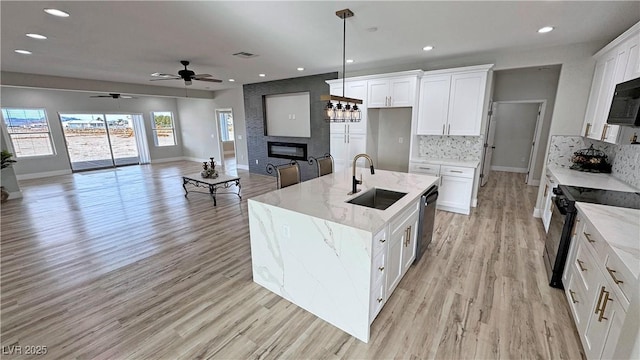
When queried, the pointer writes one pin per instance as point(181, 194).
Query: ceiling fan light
point(187, 82)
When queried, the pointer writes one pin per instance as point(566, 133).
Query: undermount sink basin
point(377, 198)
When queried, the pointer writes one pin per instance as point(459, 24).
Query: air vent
point(245, 55)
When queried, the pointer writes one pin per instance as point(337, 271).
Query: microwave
point(625, 107)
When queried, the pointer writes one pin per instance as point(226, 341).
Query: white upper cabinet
point(452, 103)
point(392, 92)
point(616, 63)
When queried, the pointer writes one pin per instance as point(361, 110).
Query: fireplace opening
point(286, 150)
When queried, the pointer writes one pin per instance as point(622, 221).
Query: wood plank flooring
point(118, 264)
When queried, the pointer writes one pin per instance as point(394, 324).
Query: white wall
point(63, 101)
point(515, 127)
point(7, 175)
point(199, 129)
point(392, 124)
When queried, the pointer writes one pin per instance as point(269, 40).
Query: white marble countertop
point(620, 228)
point(442, 161)
point(566, 176)
point(325, 197)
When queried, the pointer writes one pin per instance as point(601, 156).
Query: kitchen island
point(337, 260)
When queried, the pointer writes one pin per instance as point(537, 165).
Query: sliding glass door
point(96, 141)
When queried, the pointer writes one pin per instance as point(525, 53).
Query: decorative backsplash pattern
point(623, 158)
point(452, 147)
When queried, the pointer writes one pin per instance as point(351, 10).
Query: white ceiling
point(126, 41)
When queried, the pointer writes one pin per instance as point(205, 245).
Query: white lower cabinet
point(455, 188)
point(595, 297)
point(344, 147)
point(549, 185)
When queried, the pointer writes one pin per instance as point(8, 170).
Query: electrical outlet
point(256, 161)
point(400, 140)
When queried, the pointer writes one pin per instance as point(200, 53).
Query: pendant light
point(340, 112)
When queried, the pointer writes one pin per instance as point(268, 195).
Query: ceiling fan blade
point(210, 80)
point(168, 76)
point(158, 79)
point(201, 76)
point(100, 96)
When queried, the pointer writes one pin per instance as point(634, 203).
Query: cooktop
point(600, 196)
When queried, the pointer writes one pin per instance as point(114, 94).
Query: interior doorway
point(512, 138)
point(100, 140)
point(224, 120)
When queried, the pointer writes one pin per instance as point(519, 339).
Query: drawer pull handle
point(613, 276)
point(456, 171)
point(379, 300)
point(600, 299)
point(604, 306)
point(575, 227)
point(588, 236)
point(580, 262)
point(383, 240)
point(381, 268)
point(424, 168)
point(573, 299)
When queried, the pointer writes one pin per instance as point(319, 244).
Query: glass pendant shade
point(329, 111)
point(355, 113)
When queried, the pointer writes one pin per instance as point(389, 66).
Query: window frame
point(10, 143)
point(154, 129)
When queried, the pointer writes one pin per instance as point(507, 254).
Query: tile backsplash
point(624, 158)
point(451, 147)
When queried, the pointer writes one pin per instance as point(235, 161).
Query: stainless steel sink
point(377, 198)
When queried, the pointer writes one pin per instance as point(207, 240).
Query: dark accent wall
point(317, 144)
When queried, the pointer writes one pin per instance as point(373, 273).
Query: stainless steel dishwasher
point(426, 219)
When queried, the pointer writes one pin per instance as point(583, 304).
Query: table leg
point(239, 188)
point(184, 186)
point(212, 191)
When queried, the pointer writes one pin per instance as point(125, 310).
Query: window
point(29, 131)
point(163, 132)
point(226, 125)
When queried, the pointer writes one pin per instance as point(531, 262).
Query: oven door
point(555, 242)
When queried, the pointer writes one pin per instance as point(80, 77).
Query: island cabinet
point(615, 63)
point(599, 286)
point(451, 101)
point(337, 260)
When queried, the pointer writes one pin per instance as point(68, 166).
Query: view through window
point(163, 131)
point(28, 131)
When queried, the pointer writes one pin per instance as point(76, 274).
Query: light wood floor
point(119, 264)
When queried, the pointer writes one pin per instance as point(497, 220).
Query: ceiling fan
point(186, 75)
point(113, 96)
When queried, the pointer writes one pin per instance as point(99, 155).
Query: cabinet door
point(622, 58)
point(579, 302)
point(604, 326)
point(394, 261)
point(605, 96)
point(434, 105)
point(590, 116)
point(402, 91)
point(356, 144)
point(466, 100)
point(409, 243)
point(378, 93)
point(336, 128)
point(358, 90)
point(338, 148)
point(455, 194)
point(632, 69)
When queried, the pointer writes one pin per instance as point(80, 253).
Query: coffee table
point(223, 181)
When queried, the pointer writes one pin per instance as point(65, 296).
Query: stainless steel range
point(556, 246)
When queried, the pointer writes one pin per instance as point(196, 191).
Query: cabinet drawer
point(376, 300)
point(378, 268)
point(420, 168)
point(621, 278)
point(584, 268)
point(594, 241)
point(457, 171)
point(380, 242)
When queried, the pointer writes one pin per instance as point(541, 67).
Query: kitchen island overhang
point(314, 249)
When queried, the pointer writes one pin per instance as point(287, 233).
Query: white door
point(532, 153)
point(434, 105)
point(466, 100)
point(489, 145)
point(378, 93)
point(402, 91)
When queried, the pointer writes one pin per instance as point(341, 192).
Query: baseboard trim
point(15, 195)
point(243, 167)
point(537, 213)
point(474, 203)
point(42, 174)
point(180, 158)
point(465, 211)
point(508, 169)
point(229, 152)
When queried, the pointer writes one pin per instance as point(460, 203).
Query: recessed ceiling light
point(56, 12)
point(300, 69)
point(262, 75)
point(25, 52)
point(232, 80)
point(545, 29)
point(37, 36)
point(349, 61)
point(427, 48)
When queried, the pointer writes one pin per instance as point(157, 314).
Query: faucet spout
point(355, 182)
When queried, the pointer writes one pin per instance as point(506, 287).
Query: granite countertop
point(324, 197)
point(620, 228)
point(566, 176)
point(452, 162)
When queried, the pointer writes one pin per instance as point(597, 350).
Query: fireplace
point(287, 150)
